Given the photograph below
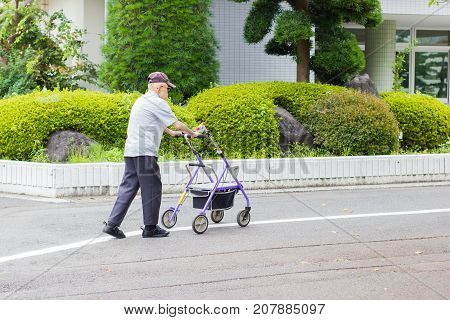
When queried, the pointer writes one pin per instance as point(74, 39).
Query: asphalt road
point(342, 244)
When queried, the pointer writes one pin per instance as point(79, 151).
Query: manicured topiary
point(294, 22)
point(297, 97)
point(424, 120)
point(353, 123)
point(174, 37)
point(243, 114)
point(241, 120)
point(27, 121)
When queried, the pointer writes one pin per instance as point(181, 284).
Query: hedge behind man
point(150, 116)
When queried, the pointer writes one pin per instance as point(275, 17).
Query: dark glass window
point(433, 37)
point(403, 36)
point(432, 73)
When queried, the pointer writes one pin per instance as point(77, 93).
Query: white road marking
point(31, 198)
point(80, 244)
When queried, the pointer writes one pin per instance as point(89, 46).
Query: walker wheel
point(217, 215)
point(165, 219)
point(200, 224)
point(243, 218)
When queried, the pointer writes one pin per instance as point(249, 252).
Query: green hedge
point(296, 97)
point(242, 116)
point(353, 123)
point(424, 120)
point(170, 36)
point(242, 121)
point(27, 121)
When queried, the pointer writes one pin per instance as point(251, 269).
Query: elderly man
point(150, 116)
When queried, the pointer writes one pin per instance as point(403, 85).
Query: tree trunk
point(303, 48)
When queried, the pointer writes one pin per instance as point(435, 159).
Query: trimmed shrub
point(242, 116)
point(174, 37)
point(424, 120)
point(241, 120)
point(352, 123)
point(297, 97)
point(27, 121)
point(338, 56)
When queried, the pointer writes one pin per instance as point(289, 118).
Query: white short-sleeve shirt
point(149, 116)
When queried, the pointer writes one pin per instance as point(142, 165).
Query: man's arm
point(172, 132)
point(182, 127)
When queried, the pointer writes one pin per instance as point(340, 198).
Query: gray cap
point(160, 77)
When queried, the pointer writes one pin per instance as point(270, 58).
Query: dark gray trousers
point(140, 172)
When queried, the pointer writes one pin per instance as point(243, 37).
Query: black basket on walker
point(222, 199)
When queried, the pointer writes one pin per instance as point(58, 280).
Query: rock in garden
point(61, 143)
point(363, 83)
point(291, 131)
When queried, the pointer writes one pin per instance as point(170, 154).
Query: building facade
point(427, 67)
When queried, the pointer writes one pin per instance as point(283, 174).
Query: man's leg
point(151, 192)
point(127, 192)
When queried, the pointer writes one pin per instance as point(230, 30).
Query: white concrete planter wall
point(61, 180)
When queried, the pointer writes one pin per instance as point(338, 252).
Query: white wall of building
point(94, 23)
point(85, 14)
point(414, 7)
point(73, 10)
point(239, 61)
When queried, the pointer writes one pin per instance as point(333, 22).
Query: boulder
point(61, 143)
point(291, 131)
point(364, 84)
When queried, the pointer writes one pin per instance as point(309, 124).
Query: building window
point(431, 73)
point(433, 37)
point(403, 36)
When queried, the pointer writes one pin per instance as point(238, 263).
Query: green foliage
point(96, 153)
point(436, 2)
point(424, 120)
point(14, 78)
point(274, 48)
point(50, 45)
point(241, 116)
point(399, 66)
point(352, 123)
point(296, 98)
point(339, 55)
point(27, 121)
point(39, 155)
point(298, 150)
point(364, 12)
point(174, 37)
point(259, 19)
point(241, 120)
point(291, 27)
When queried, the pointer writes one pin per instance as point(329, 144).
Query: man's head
point(158, 82)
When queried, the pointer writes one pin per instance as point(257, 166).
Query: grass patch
point(96, 153)
point(99, 153)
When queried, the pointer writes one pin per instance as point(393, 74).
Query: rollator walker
point(216, 196)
